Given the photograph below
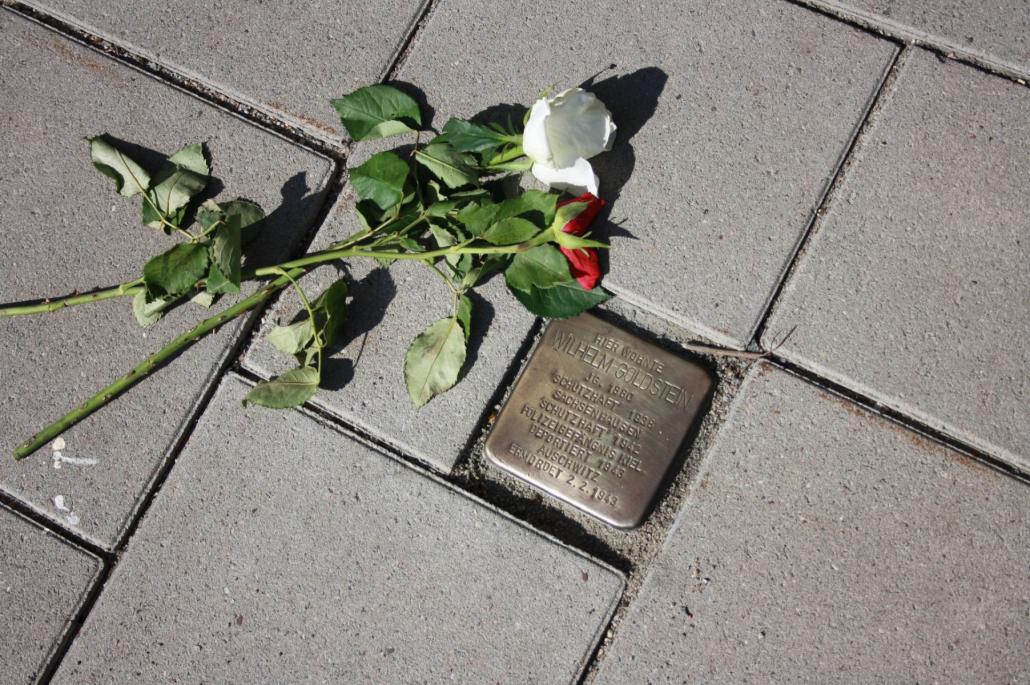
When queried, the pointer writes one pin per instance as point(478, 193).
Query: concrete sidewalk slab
point(43, 581)
point(825, 544)
point(731, 121)
point(63, 227)
point(280, 550)
point(364, 381)
point(914, 287)
point(995, 30)
point(287, 59)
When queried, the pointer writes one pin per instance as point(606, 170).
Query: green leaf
point(331, 309)
point(541, 267)
point(489, 265)
point(175, 271)
point(292, 389)
point(292, 339)
point(477, 217)
point(239, 212)
point(381, 179)
point(242, 213)
point(434, 359)
point(180, 178)
point(440, 208)
point(468, 137)
point(533, 205)
point(204, 299)
point(450, 166)
point(218, 283)
point(377, 112)
point(510, 231)
point(209, 213)
point(445, 237)
point(560, 301)
point(148, 313)
point(463, 314)
point(129, 177)
point(225, 252)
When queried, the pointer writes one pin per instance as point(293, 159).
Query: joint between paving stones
point(901, 419)
point(9, 501)
point(407, 43)
point(90, 595)
point(76, 622)
point(908, 37)
point(830, 191)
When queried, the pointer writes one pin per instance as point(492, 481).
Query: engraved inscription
point(597, 418)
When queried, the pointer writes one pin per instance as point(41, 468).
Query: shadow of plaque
point(597, 418)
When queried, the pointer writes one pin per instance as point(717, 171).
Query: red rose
point(583, 262)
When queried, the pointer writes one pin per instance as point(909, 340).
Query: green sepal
point(578, 242)
point(565, 214)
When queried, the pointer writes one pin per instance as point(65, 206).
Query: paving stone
point(996, 29)
point(752, 108)
point(823, 543)
point(43, 581)
point(913, 290)
point(334, 563)
point(63, 227)
point(288, 59)
point(364, 379)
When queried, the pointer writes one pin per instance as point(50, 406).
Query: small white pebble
point(59, 503)
point(58, 444)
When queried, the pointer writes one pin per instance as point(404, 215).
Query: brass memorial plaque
point(597, 418)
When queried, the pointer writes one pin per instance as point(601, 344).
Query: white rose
point(563, 132)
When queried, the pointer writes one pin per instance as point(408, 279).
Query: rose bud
point(584, 263)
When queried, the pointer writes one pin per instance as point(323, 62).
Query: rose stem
point(151, 363)
point(133, 287)
point(52, 305)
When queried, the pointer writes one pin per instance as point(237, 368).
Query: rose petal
point(579, 125)
point(534, 139)
point(584, 265)
point(579, 224)
point(578, 178)
point(609, 138)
